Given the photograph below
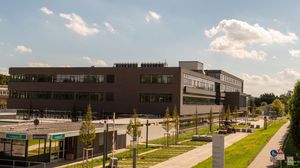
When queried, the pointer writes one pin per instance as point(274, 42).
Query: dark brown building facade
point(149, 88)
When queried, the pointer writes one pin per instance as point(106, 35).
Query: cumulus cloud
point(109, 27)
point(38, 64)
point(78, 25)
point(295, 53)
point(46, 11)
point(22, 49)
point(96, 62)
point(152, 16)
point(239, 36)
point(278, 83)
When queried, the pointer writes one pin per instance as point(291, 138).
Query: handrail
point(29, 163)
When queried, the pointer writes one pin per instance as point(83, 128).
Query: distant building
point(3, 96)
point(148, 87)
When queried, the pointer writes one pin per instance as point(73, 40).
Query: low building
point(3, 96)
point(51, 142)
point(149, 87)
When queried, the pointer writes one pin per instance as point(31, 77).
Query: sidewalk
point(263, 158)
point(193, 157)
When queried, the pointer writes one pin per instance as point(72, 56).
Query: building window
point(109, 96)
point(198, 101)
point(155, 98)
point(63, 96)
point(196, 82)
point(110, 78)
point(158, 79)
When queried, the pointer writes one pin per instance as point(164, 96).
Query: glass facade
point(158, 79)
point(88, 96)
point(230, 80)
point(196, 82)
point(60, 78)
point(198, 101)
point(155, 98)
point(225, 88)
point(10, 147)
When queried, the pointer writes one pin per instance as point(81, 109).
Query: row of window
point(63, 78)
point(87, 96)
point(225, 88)
point(3, 92)
point(196, 82)
point(230, 80)
point(198, 101)
point(159, 79)
point(155, 98)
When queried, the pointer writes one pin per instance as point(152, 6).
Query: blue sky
point(256, 40)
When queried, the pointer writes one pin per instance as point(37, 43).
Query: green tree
point(246, 113)
point(177, 123)
point(235, 112)
point(252, 112)
point(263, 103)
point(295, 115)
point(278, 106)
point(221, 116)
point(258, 111)
point(210, 119)
point(3, 79)
point(227, 113)
point(134, 128)
point(285, 98)
point(266, 97)
point(167, 124)
point(87, 130)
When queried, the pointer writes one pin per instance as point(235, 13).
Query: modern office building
point(149, 87)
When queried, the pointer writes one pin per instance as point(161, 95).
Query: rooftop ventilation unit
point(126, 65)
point(153, 65)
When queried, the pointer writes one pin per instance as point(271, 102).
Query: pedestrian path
point(193, 157)
point(262, 160)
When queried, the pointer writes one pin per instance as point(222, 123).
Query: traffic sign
point(273, 153)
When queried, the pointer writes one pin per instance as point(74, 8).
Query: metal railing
point(21, 163)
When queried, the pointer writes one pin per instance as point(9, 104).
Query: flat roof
point(67, 128)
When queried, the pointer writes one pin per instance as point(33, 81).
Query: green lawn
point(155, 157)
point(185, 136)
point(241, 153)
point(120, 156)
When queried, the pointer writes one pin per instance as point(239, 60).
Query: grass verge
point(241, 153)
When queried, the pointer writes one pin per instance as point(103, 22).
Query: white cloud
point(22, 49)
point(96, 62)
point(78, 25)
point(278, 83)
point(46, 11)
point(38, 64)
point(109, 27)
point(295, 53)
point(239, 36)
point(152, 16)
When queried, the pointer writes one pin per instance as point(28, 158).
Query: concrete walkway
point(262, 160)
point(193, 157)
